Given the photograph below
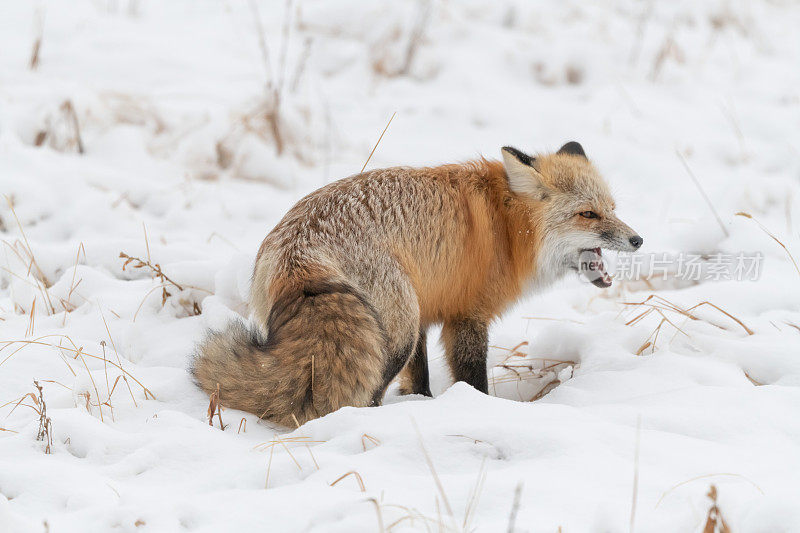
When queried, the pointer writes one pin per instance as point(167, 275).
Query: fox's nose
point(636, 241)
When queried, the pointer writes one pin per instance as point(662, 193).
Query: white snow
point(171, 101)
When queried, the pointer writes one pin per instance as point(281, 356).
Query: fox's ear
point(573, 148)
point(522, 177)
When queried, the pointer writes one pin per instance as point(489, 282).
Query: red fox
point(348, 282)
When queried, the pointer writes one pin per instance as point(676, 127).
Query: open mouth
point(591, 266)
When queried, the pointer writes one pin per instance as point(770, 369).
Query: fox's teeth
point(591, 264)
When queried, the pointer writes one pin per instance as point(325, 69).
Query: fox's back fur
point(347, 282)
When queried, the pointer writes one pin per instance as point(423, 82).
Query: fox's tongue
point(593, 268)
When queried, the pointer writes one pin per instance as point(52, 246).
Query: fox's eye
point(588, 214)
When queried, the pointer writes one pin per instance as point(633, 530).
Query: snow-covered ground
point(201, 122)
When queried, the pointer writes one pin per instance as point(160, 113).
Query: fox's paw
point(407, 387)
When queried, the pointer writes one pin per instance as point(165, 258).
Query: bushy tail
point(323, 351)
point(237, 359)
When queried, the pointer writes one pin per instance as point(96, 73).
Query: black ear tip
point(572, 148)
point(521, 156)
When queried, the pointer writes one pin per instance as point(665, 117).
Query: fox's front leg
point(466, 343)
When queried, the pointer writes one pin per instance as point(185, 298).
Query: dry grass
point(378, 142)
point(378, 513)
point(706, 476)
point(271, 111)
point(191, 307)
point(80, 354)
point(24, 253)
point(385, 62)
point(77, 352)
point(635, 490)
point(37, 41)
point(474, 498)
point(156, 273)
point(35, 402)
point(62, 130)
point(284, 442)
point(369, 438)
point(715, 522)
point(773, 237)
point(119, 363)
point(641, 26)
point(437, 481)
point(702, 193)
point(730, 113)
point(45, 432)
point(416, 36)
point(297, 422)
point(512, 517)
point(655, 304)
point(72, 117)
point(669, 50)
point(446, 523)
point(355, 475)
point(215, 409)
point(521, 368)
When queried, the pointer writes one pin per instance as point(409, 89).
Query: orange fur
point(347, 283)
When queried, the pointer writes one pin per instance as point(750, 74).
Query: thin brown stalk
point(357, 477)
point(18, 401)
point(37, 41)
point(32, 320)
point(369, 438)
point(416, 36)
point(38, 341)
point(635, 495)
point(215, 409)
point(705, 476)
point(269, 466)
point(378, 513)
point(79, 353)
point(155, 268)
point(308, 447)
point(146, 241)
point(474, 497)
point(379, 141)
point(105, 368)
point(116, 353)
point(512, 517)
point(72, 284)
point(45, 283)
point(702, 192)
point(285, 33)
point(45, 432)
point(744, 327)
point(69, 110)
point(774, 238)
point(437, 481)
point(277, 440)
point(715, 522)
point(659, 302)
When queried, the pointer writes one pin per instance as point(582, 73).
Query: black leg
point(394, 364)
point(417, 369)
point(466, 343)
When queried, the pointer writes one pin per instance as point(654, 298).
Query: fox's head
point(575, 209)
